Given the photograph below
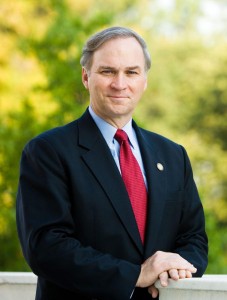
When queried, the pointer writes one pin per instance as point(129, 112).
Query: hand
point(163, 277)
point(163, 262)
point(173, 274)
point(153, 291)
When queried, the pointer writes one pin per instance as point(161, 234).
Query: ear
point(85, 78)
point(145, 85)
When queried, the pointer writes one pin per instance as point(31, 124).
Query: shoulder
point(157, 140)
point(64, 138)
point(162, 145)
point(167, 150)
point(57, 134)
point(55, 141)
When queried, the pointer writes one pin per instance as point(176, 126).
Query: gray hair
point(99, 38)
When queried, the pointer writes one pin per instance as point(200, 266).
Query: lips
point(118, 96)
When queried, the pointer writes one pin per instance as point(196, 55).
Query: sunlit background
point(186, 99)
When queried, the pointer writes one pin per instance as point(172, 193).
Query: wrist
point(139, 282)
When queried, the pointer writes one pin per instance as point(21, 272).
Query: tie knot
point(121, 136)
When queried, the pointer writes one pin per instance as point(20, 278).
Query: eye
point(132, 72)
point(107, 72)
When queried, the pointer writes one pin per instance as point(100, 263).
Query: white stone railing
point(17, 286)
point(20, 285)
point(209, 287)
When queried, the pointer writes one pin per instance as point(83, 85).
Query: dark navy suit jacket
point(75, 222)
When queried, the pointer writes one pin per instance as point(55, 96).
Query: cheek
point(97, 93)
point(96, 85)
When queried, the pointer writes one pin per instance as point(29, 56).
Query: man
point(81, 186)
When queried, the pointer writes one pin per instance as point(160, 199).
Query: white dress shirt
point(108, 131)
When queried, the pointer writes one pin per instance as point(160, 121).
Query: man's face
point(116, 79)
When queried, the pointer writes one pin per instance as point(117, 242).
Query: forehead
point(119, 52)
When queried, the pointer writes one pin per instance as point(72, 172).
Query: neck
point(118, 123)
point(115, 121)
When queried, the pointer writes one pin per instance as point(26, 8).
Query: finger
point(183, 265)
point(182, 274)
point(191, 269)
point(164, 261)
point(173, 273)
point(164, 278)
point(153, 291)
point(188, 274)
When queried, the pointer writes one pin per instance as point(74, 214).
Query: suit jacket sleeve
point(46, 231)
point(191, 240)
point(175, 214)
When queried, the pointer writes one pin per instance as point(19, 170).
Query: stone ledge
point(17, 285)
point(210, 282)
point(212, 287)
point(17, 278)
point(22, 285)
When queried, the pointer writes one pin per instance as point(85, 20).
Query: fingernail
point(164, 283)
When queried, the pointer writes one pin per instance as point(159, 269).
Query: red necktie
point(134, 182)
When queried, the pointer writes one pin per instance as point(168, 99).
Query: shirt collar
point(108, 131)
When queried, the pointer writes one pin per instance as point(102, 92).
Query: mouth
point(118, 96)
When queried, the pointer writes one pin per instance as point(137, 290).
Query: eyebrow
point(105, 67)
point(113, 68)
point(133, 67)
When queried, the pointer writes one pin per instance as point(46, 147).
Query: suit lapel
point(101, 163)
point(156, 189)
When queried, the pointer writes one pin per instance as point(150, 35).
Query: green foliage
point(218, 245)
point(40, 86)
point(59, 52)
point(55, 55)
point(11, 128)
point(187, 101)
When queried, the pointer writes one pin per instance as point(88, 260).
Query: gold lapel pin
point(160, 167)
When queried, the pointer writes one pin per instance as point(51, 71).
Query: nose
point(119, 82)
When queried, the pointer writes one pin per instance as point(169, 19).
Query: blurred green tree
point(40, 86)
point(44, 40)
